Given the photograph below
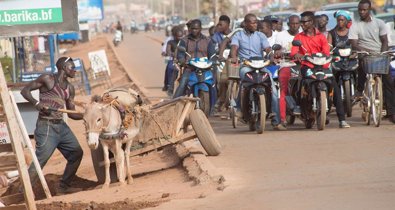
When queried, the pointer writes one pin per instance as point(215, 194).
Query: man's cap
point(272, 18)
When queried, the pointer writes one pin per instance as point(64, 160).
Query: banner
point(21, 12)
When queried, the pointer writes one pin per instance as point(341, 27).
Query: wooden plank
point(185, 137)
point(7, 159)
point(5, 148)
point(29, 145)
point(15, 207)
point(12, 199)
point(16, 138)
point(4, 168)
point(180, 121)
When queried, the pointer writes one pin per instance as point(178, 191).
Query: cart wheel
point(97, 157)
point(205, 132)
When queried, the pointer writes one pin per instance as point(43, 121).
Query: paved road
point(295, 169)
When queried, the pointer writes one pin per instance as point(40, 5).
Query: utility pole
point(197, 8)
point(172, 7)
point(183, 9)
point(215, 13)
point(237, 9)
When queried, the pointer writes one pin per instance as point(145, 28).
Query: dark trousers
point(50, 136)
point(183, 83)
point(337, 100)
point(168, 73)
point(388, 88)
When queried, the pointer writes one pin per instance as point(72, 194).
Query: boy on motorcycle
point(251, 43)
point(313, 41)
point(197, 45)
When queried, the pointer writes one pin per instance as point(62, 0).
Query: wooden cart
point(166, 123)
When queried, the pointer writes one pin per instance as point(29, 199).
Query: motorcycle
point(314, 90)
point(117, 38)
point(344, 67)
point(201, 82)
point(256, 94)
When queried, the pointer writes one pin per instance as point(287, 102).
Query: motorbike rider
point(119, 28)
point(368, 33)
point(170, 51)
point(340, 32)
point(197, 45)
point(251, 43)
point(313, 41)
point(322, 21)
point(266, 27)
point(223, 29)
point(285, 39)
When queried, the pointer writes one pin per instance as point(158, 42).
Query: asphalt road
point(295, 169)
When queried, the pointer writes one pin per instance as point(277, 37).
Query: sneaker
point(164, 88)
point(62, 190)
point(343, 124)
point(296, 110)
point(280, 127)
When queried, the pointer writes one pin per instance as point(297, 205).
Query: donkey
point(103, 124)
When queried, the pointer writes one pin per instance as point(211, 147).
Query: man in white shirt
point(266, 27)
point(285, 38)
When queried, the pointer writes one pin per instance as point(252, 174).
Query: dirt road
point(295, 169)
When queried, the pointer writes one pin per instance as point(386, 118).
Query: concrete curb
point(135, 83)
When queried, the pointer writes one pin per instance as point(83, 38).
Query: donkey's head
point(93, 120)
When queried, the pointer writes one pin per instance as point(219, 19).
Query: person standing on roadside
point(219, 37)
point(322, 21)
point(51, 133)
point(368, 33)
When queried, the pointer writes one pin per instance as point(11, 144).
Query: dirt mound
point(127, 204)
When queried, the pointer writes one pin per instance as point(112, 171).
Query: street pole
point(183, 9)
point(237, 9)
point(172, 7)
point(197, 8)
point(215, 10)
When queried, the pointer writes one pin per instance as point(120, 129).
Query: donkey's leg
point(127, 160)
point(106, 165)
point(119, 161)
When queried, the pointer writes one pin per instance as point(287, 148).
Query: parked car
point(176, 20)
point(349, 6)
point(207, 22)
point(236, 23)
point(389, 19)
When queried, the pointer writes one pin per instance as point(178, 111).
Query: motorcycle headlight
point(345, 52)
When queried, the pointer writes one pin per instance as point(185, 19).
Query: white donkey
point(104, 124)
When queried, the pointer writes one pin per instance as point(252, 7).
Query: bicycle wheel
point(377, 101)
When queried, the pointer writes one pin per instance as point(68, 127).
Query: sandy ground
point(147, 190)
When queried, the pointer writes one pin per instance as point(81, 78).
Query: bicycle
point(374, 65)
point(233, 89)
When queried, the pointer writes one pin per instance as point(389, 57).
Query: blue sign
point(90, 10)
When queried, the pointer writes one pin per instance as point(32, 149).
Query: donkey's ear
point(96, 98)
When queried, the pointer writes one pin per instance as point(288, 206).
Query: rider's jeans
point(183, 83)
point(275, 105)
point(169, 74)
point(50, 136)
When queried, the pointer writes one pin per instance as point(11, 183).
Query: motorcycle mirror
point(182, 49)
point(297, 43)
point(276, 47)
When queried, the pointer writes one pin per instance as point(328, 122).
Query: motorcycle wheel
point(347, 98)
point(204, 102)
point(321, 112)
point(261, 121)
point(377, 101)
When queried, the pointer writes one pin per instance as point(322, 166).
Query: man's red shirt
point(313, 44)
